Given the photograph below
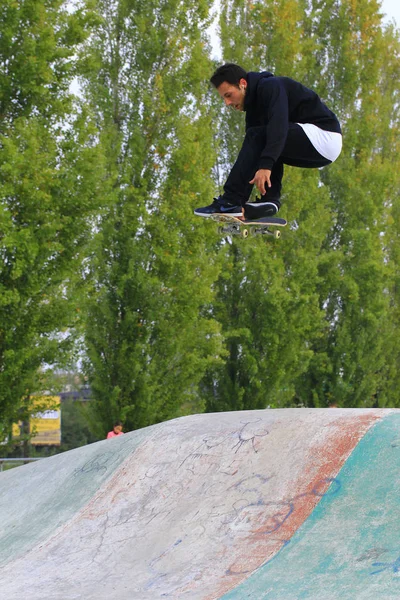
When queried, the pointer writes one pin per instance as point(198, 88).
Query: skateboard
point(243, 227)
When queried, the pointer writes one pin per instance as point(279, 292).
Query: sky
point(392, 10)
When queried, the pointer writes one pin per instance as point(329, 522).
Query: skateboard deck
point(244, 227)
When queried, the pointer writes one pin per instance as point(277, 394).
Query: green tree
point(314, 318)
point(75, 430)
point(268, 303)
point(358, 292)
point(148, 341)
point(48, 190)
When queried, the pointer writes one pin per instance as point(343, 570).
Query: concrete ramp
point(278, 504)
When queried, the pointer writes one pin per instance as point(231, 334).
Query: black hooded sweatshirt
point(274, 102)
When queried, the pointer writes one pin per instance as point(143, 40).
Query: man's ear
point(242, 84)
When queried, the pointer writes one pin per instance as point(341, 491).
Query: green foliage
point(38, 45)
point(148, 342)
point(343, 343)
point(97, 234)
point(358, 284)
point(75, 431)
point(48, 192)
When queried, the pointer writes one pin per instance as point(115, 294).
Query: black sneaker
point(257, 210)
point(221, 207)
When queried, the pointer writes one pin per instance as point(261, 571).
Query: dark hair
point(230, 73)
point(118, 424)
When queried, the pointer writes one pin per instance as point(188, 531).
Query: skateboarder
point(286, 123)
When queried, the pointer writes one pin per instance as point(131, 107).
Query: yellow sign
point(45, 425)
point(16, 432)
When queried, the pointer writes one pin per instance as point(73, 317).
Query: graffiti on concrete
point(393, 567)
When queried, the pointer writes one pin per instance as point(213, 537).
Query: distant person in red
point(117, 430)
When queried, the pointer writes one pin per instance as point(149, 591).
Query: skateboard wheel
point(277, 234)
point(245, 233)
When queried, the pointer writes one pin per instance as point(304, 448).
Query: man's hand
point(261, 177)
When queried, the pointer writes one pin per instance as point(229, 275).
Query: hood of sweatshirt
point(253, 80)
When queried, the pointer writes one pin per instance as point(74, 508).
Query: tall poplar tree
point(149, 337)
point(267, 300)
point(314, 319)
point(357, 66)
point(47, 191)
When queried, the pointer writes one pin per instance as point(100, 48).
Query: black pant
point(297, 152)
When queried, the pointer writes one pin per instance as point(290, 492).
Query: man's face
point(233, 96)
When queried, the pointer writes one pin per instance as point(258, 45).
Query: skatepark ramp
point(275, 504)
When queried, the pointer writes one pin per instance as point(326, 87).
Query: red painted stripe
point(281, 520)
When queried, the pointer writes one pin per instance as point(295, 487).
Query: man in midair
point(286, 123)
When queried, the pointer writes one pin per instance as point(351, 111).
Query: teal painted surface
point(349, 547)
point(38, 498)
